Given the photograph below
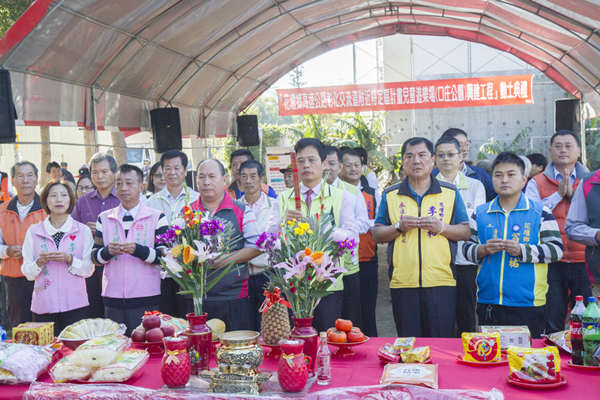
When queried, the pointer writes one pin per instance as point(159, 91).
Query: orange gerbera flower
point(317, 257)
point(188, 254)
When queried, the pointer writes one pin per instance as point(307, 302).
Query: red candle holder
point(175, 367)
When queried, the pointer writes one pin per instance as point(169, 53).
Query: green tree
point(592, 144)
point(297, 77)
point(353, 131)
point(314, 126)
point(10, 11)
point(267, 110)
point(492, 146)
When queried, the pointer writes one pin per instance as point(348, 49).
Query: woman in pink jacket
point(57, 256)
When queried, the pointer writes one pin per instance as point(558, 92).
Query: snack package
point(561, 339)
point(125, 365)
point(411, 374)
point(481, 347)
point(37, 333)
point(534, 365)
point(387, 353)
point(25, 362)
point(66, 370)
point(416, 355)
point(101, 351)
point(403, 344)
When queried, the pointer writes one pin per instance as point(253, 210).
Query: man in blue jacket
point(513, 240)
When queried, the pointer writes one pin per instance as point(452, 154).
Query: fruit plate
point(153, 347)
point(537, 386)
point(427, 361)
point(503, 361)
point(345, 349)
point(588, 367)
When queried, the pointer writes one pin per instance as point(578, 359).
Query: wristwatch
point(397, 226)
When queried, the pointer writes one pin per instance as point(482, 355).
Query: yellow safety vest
point(419, 257)
point(332, 204)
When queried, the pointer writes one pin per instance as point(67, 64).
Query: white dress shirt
point(360, 209)
point(169, 205)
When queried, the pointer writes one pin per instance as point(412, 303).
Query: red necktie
point(309, 193)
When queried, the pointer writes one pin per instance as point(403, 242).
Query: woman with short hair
point(57, 256)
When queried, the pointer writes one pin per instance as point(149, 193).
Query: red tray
point(345, 349)
point(427, 361)
point(537, 386)
point(152, 347)
point(588, 367)
point(503, 361)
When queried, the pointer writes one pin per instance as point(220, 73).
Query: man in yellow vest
point(351, 308)
point(310, 157)
point(422, 219)
point(367, 251)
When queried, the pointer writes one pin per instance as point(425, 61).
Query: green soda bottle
point(590, 330)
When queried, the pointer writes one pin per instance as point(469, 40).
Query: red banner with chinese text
point(445, 93)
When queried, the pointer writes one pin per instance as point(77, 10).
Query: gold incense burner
point(238, 359)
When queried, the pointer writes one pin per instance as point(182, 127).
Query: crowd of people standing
point(464, 246)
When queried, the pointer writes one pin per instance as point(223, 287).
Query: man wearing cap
point(288, 177)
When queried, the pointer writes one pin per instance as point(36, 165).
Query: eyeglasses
point(85, 188)
point(158, 176)
point(447, 155)
point(560, 147)
point(466, 145)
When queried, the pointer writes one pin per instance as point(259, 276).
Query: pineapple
point(275, 324)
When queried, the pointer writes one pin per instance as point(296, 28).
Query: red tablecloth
point(365, 369)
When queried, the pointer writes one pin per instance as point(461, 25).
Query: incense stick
point(296, 181)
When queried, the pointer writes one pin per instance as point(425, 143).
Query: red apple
point(139, 335)
point(151, 322)
point(154, 335)
point(168, 330)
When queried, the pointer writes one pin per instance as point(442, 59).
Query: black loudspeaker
point(247, 130)
point(567, 115)
point(166, 129)
point(8, 132)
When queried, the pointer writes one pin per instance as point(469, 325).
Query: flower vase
point(199, 342)
point(175, 366)
point(304, 330)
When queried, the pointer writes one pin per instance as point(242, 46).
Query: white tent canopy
point(212, 58)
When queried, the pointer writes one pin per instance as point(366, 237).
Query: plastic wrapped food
point(125, 365)
point(387, 353)
point(50, 391)
point(481, 347)
point(561, 339)
point(100, 352)
point(65, 370)
point(416, 355)
point(179, 324)
point(7, 377)
point(25, 362)
point(403, 344)
point(91, 328)
point(534, 365)
point(411, 374)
